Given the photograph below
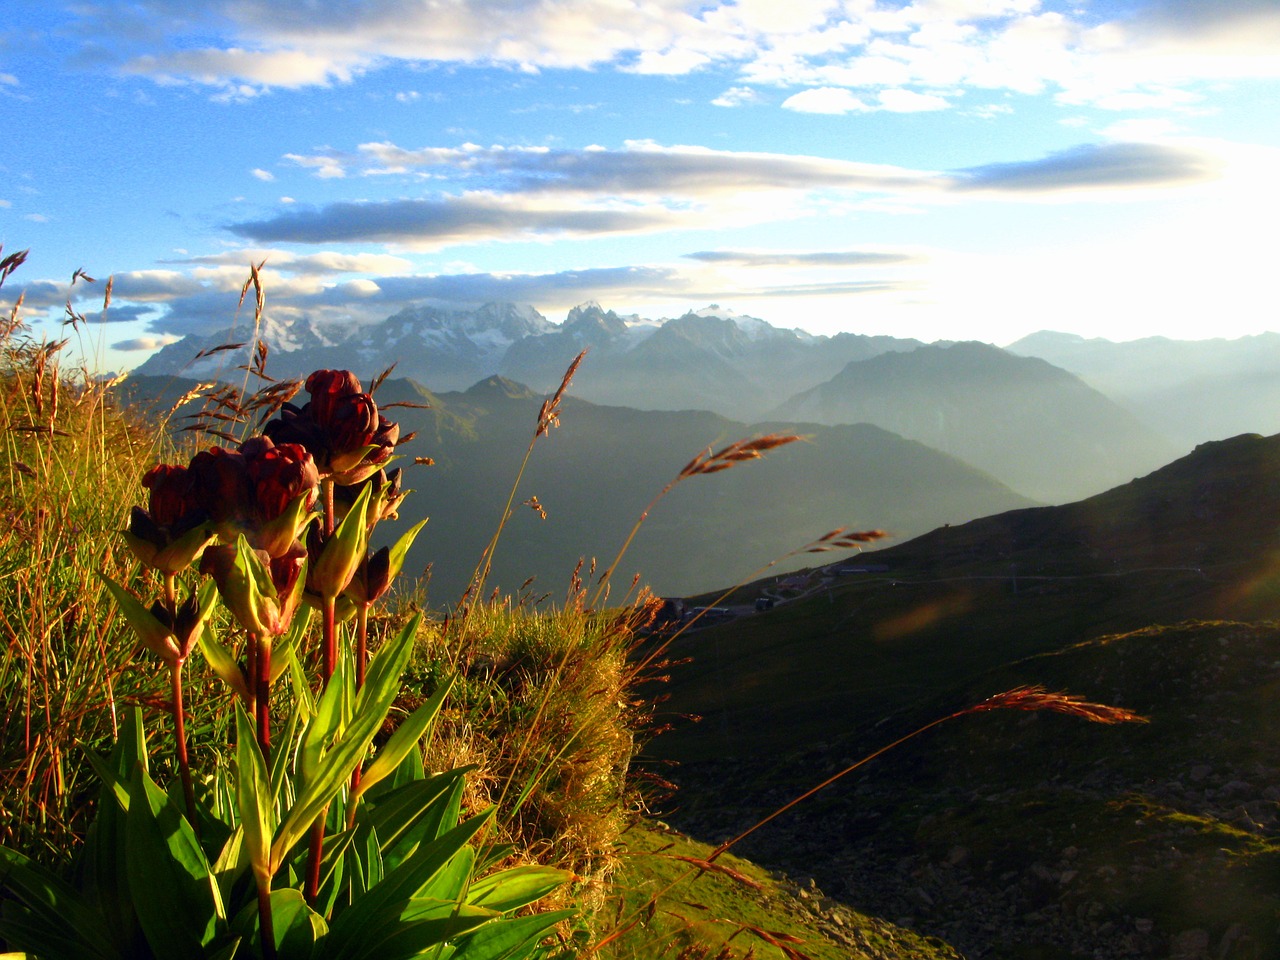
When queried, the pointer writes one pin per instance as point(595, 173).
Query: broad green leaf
point(508, 939)
point(231, 863)
point(223, 663)
point(296, 926)
point(412, 812)
point(155, 636)
point(450, 883)
point(335, 768)
point(227, 952)
point(45, 915)
point(178, 903)
point(401, 549)
point(404, 938)
point(382, 679)
point(343, 551)
point(382, 906)
point(287, 646)
point(404, 740)
point(323, 729)
point(517, 887)
point(253, 798)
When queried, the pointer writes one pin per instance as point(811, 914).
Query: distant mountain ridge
point(1189, 390)
point(710, 359)
point(1032, 425)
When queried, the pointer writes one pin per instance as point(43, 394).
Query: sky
point(939, 169)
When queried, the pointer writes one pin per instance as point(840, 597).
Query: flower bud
point(334, 558)
point(327, 387)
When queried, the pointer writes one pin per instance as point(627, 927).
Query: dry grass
point(71, 466)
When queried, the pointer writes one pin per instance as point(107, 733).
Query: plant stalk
point(262, 703)
point(180, 745)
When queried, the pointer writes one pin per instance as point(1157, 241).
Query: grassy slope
point(1033, 835)
point(1194, 539)
point(1022, 836)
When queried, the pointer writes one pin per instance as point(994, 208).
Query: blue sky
point(959, 169)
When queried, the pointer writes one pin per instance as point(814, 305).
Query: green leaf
point(405, 739)
point(450, 883)
point(343, 551)
point(286, 647)
point(382, 906)
point(414, 813)
point(231, 863)
point(323, 730)
point(401, 549)
point(382, 679)
point(223, 663)
point(296, 926)
point(382, 683)
point(46, 916)
point(508, 939)
point(253, 798)
point(517, 887)
point(174, 893)
point(434, 923)
point(153, 634)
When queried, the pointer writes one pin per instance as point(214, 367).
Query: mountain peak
point(499, 387)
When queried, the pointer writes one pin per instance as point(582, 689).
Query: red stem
point(263, 694)
point(180, 744)
point(362, 647)
point(266, 926)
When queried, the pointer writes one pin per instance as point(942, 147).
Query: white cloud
point(229, 68)
point(834, 100)
point(264, 175)
point(325, 167)
point(1145, 57)
point(736, 97)
point(36, 218)
point(538, 193)
point(8, 80)
point(908, 101)
point(145, 343)
point(408, 96)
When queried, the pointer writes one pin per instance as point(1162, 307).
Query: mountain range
point(1187, 390)
point(1034, 426)
point(1094, 415)
point(595, 475)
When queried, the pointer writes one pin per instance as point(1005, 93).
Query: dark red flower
point(174, 531)
point(372, 577)
point(327, 387)
point(171, 501)
point(351, 428)
point(279, 474)
point(385, 496)
point(220, 484)
point(337, 426)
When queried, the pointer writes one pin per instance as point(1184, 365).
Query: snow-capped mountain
point(711, 359)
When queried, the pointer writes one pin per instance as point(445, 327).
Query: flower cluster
point(266, 491)
point(340, 425)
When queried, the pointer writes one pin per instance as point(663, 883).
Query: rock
point(1190, 945)
point(957, 856)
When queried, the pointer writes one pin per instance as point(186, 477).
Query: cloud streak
point(886, 56)
point(648, 188)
